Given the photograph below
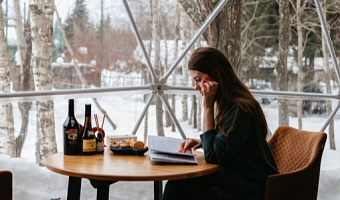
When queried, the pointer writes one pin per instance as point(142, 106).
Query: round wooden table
point(105, 169)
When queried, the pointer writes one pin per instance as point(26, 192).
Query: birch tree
point(193, 111)
point(305, 26)
point(165, 35)
point(281, 66)
point(185, 73)
point(24, 82)
point(299, 10)
point(199, 100)
point(41, 16)
point(147, 75)
point(7, 142)
point(156, 33)
point(328, 75)
point(174, 74)
point(19, 32)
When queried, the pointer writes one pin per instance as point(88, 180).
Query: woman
point(234, 135)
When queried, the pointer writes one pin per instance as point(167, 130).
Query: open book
point(165, 150)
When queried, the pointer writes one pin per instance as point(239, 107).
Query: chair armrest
point(6, 182)
point(296, 185)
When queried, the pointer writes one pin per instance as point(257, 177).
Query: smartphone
point(208, 78)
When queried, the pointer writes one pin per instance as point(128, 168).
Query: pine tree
point(78, 20)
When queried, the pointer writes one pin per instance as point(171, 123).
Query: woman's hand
point(208, 91)
point(190, 143)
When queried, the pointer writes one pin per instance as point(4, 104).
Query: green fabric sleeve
point(219, 147)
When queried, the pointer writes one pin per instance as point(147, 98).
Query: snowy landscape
point(30, 181)
point(38, 183)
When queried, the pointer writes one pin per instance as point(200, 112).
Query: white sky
point(65, 7)
point(114, 9)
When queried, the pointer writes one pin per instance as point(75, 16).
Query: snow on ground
point(34, 182)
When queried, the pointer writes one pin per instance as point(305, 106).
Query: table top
point(109, 166)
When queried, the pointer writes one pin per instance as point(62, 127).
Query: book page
point(169, 145)
point(165, 150)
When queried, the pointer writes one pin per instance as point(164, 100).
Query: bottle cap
point(88, 110)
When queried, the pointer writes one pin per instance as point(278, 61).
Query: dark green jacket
point(245, 157)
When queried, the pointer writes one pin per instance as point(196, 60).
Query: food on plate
point(128, 144)
point(120, 144)
point(137, 145)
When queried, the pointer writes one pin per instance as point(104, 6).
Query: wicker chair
point(6, 185)
point(298, 156)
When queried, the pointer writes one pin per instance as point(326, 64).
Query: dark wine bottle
point(88, 146)
point(72, 136)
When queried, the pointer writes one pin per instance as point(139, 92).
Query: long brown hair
point(231, 91)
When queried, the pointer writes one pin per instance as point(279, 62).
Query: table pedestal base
point(103, 188)
point(157, 190)
point(73, 192)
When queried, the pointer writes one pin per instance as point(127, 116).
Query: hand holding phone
point(208, 79)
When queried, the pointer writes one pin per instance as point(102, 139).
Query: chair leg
point(6, 186)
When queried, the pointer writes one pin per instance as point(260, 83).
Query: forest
point(275, 46)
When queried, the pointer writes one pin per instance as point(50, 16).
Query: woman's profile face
point(199, 79)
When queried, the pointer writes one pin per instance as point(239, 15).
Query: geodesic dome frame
point(158, 86)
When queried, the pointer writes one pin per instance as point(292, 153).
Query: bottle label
point(100, 146)
point(89, 145)
point(72, 134)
